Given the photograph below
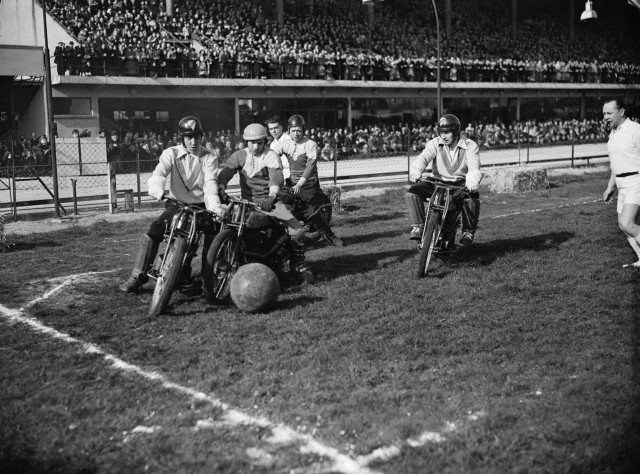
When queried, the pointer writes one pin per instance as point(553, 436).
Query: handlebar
point(444, 184)
point(195, 208)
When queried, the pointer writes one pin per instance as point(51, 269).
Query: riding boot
point(298, 260)
point(187, 284)
point(470, 215)
point(325, 229)
point(146, 254)
point(415, 206)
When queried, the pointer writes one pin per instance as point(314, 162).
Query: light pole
point(49, 110)
point(438, 65)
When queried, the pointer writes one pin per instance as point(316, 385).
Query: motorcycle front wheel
point(220, 266)
point(428, 243)
point(168, 275)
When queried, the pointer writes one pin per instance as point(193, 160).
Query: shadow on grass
point(537, 243)
point(20, 246)
point(484, 254)
point(375, 217)
point(185, 304)
point(341, 265)
point(297, 302)
point(368, 238)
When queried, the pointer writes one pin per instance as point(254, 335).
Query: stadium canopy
point(21, 60)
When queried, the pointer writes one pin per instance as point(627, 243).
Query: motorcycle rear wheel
point(220, 266)
point(428, 243)
point(168, 275)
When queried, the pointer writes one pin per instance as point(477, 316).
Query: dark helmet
point(449, 123)
point(190, 127)
point(296, 121)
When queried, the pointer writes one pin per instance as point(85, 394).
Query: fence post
point(75, 196)
point(528, 148)
point(113, 199)
point(518, 128)
point(572, 146)
point(79, 156)
point(138, 175)
point(335, 167)
point(13, 183)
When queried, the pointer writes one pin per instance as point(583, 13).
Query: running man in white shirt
point(624, 158)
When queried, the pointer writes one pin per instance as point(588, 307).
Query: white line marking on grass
point(531, 211)
point(386, 453)
point(66, 281)
point(281, 434)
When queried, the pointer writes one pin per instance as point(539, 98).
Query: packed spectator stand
point(236, 39)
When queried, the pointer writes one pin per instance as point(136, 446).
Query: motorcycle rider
point(454, 159)
point(260, 173)
point(191, 170)
point(302, 154)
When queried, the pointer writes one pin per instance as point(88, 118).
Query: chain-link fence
point(84, 180)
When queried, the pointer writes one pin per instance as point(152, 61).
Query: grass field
point(519, 355)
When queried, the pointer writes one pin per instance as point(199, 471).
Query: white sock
point(634, 245)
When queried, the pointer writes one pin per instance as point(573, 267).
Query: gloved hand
point(285, 197)
point(224, 197)
point(413, 178)
point(472, 182)
point(212, 203)
point(156, 193)
point(267, 204)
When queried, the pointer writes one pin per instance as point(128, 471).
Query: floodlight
point(588, 13)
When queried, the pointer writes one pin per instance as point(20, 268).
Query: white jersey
point(191, 177)
point(286, 170)
point(624, 148)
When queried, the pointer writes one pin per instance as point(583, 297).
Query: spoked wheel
point(326, 211)
point(428, 243)
point(168, 275)
point(314, 234)
point(220, 266)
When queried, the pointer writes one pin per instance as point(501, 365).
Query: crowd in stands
point(234, 38)
point(125, 148)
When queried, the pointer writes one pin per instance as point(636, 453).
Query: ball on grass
point(254, 287)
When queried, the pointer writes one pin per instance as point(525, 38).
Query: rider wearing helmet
point(302, 154)
point(454, 159)
point(191, 171)
point(260, 173)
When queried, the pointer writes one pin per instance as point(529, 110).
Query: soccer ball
point(254, 287)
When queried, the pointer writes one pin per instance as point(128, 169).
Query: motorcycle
point(300, 210)
point(247, 235)
point(181, 242)
point(443, 219)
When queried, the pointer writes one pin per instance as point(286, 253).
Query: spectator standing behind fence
point(114, 150)
point(624, 155)
point(42, 152)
